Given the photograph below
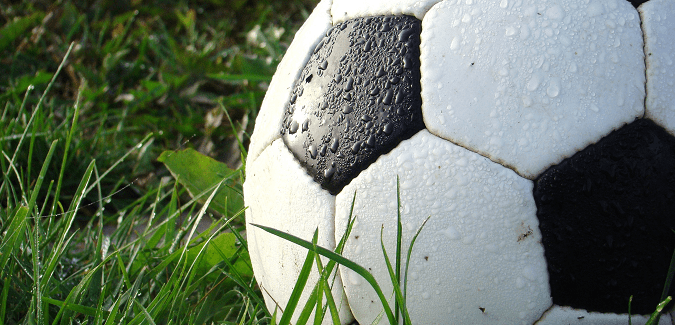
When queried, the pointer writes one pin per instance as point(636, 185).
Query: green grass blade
point(133, 293)
point(69, 139)
point(340, 260)
point(5, 293)
point(85, 310)
point(145, 313)
point(318, 288)
point(656, 315)
point(669, 278)
point(399, 240)
point(14, 236)
point(240, 78)
point(299, 285)
point(69, 217)
point(19, 219)
point(407, 261)
point(394, 282)
point(36, 301)
point(17, 28)
point(326, 288)
point(311, 301)
point(39, 104)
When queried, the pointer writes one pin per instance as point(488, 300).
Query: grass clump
point(94, 229)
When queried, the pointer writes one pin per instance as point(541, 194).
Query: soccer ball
point(537, 135)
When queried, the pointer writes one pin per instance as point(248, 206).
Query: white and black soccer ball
point(537, 134)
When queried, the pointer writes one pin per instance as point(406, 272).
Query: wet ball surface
point(356, 99)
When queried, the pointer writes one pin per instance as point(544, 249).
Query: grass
point(99, 211)
point(95, 229)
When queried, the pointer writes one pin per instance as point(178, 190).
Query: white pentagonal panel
point(480, 249)
point(280, 194)
point(658, 24)
point(566, 315)
point(530, 82)
point(268, 122)
point(343, 10)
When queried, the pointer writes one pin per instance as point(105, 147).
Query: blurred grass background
point(141, 78)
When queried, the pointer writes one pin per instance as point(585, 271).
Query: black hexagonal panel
point(356, 99)
point(607, 216)
point(637, 3)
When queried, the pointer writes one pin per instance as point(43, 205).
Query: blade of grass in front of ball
point(407, 261)
point(360, 270)
point(300, 283)
point(325, 288)
point(394, 281)
point(656, 315)
point(311, 301)
point(664, 295)
point(318, 288)
point(669, 277)
point(399, 239)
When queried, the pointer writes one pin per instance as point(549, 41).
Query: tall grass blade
point(399, 240)
point(299, 285)
point(85, 310)
point(145, 313)
point(36, 301)
point(669, 278)
point(14, 236)
point(60, 246)
point(39, 104)
point(656, 315)
point(15, 229)
point(407, 261)
point(392, 275)
point(69, 139)
point(326, 288)
point(311, 301)
point(340, 260)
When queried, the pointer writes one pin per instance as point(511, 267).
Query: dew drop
point(451, 233)
point(329, 172)
point(356, 147)
point(371, 141)
point(293, 127)
point(350, 84)
point(454, 45)
point(334, 145)
point(553, 89)
point(388, 97)
point(388, 128)
point(533, 84)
